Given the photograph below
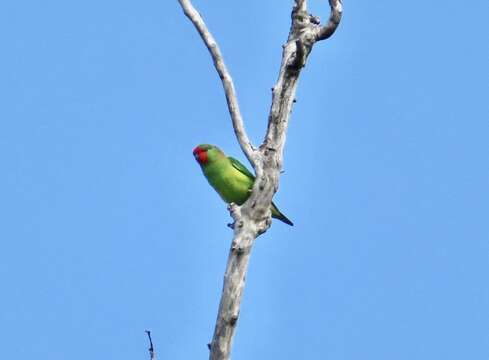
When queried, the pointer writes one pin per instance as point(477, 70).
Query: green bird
point(231, 179)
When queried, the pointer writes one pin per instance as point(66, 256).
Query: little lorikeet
point(231, 179)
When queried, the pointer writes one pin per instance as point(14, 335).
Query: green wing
point(241, 168)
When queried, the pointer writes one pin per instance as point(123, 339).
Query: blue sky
point(109, 228)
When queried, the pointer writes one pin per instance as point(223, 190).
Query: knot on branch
point(268, 150)
point(300, 18)
point(233, 320)
point(314, 19)
point(240, 250)
point(299, 60)
point(262, 183)
point(265, 225)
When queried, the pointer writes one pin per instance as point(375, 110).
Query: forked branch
point(253, 218)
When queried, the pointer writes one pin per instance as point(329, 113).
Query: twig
point(226, 79)
point(152, 354)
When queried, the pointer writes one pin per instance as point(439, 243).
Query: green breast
point(231, 184)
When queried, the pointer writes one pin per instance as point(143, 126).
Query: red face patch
point(200, 155)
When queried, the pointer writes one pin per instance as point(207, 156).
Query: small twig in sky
point(151, 349)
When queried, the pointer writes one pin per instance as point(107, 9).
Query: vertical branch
point(253, 218)
point(245, 234)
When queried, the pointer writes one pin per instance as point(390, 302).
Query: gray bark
point(253, 218)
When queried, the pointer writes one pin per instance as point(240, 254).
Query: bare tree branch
point(334, 20)
point(253, 218)
point(226, 79)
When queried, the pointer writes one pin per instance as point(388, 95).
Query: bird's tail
point(278, 215)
